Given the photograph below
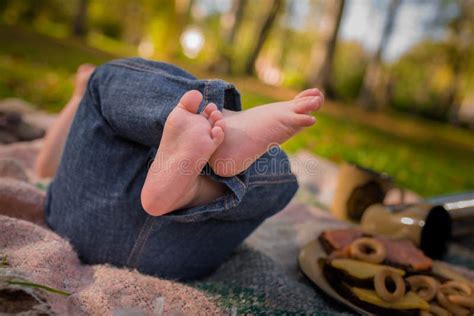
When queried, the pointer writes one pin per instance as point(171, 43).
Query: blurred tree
point(80, 17)
point(350, 62)
point(168, 19)
point(230, 23)
point(286, 40)
point(28, 12)
point(371, 92)
point(322, 78)
point(434, 78)
point(236, 17)
point(460, 46)
point(263, 33)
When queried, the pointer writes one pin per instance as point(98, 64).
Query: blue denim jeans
point(94, 200)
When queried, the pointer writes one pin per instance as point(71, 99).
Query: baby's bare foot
point(250, 133)
point(83, 74)
point(189, 139)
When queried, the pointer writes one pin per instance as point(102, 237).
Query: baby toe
point(307, 104)
point(215, 116)
point(211, 107)
point(310, 92)
point(217, 135)
point(304, 120)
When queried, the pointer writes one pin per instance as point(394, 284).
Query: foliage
point(39, 69)
point(421, 79)
point(349, 68)
point(30, 11)
point(428, 167)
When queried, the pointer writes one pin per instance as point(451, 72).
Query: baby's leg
point(191, 243)
point(53, 144)
point(95, 197)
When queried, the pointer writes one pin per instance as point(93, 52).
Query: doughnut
point(367, 249)
point(381, 288)
point(425, 286)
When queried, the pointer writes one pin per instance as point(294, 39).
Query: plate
point(308, 261)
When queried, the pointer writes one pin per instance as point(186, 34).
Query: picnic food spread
point(390, 277)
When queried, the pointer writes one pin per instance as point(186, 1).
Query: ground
point(428, 157)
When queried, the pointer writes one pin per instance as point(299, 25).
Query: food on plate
point(383, 279)
point(367, 249)
point(389, 277)
point(399, 253)
point(425, 286)
point(355, 272)
point(435, 309)
point(458, 291)
point(364, 295)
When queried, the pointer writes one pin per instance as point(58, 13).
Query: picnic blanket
point(262, 276)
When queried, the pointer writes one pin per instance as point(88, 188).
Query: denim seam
point(139, 254)
point(255, 183)
point(137, 249)
point(135, 66)
point(139, 67)
point(225, 203)
point(206, 92)
point(254, 178)
point(241, 182)
point(230, 202)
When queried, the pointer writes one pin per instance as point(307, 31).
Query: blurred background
point(398, 74)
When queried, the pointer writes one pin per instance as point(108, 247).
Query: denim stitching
point(140, 67)
point(136, 66)
point(234, 201)
point(140, 242)
point(206, 92)
point(275, 177)
point(225, 203)
point(241, 182)
point(230, 201)
point(139, 254)
point(271, 182)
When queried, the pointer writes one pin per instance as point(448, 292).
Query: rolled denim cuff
point(237, 187)
point(223, 94)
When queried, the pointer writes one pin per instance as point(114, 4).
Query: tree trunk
point(263, 34)
point(369, 98)
point(79, 24)
point(286, 37)
point(461, 28)
point(322, 78)
point(237, 16)
point(224, 59)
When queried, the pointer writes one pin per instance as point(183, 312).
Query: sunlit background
point(398, 73)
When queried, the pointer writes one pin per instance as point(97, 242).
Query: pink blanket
point(43, 257)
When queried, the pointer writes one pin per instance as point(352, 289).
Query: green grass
point(424, 167)
point(427, 166)
point(40, 69)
